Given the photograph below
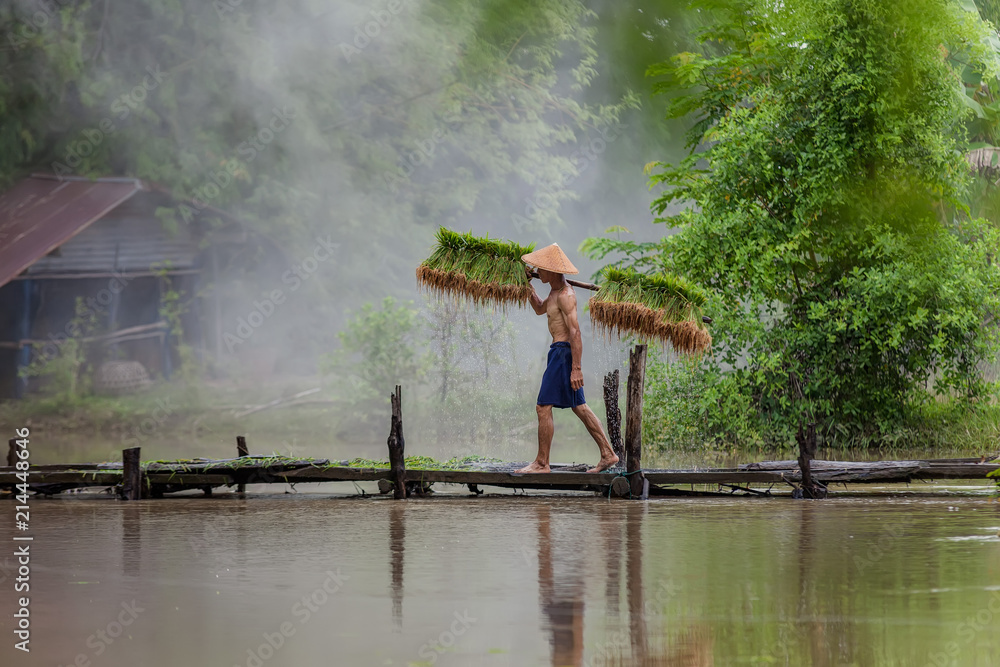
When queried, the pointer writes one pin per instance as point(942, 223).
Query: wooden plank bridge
point(806, 476)
point(157, 478)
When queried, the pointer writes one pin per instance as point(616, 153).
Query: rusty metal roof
point(41, 212)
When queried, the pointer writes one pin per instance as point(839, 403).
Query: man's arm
point(567, 304)
point(536, 303)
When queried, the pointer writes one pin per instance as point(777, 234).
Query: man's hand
point(576, 379)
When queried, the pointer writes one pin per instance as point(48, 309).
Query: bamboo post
point(614, 413)
point(633, 418)
point(241, 451)
point(131, 474)
point(11, 452)
point(397, 460)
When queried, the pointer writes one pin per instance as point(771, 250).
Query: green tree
point(824, 190)
point(380, 348)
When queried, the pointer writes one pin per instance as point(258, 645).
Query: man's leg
point(593, 425)
point(545, 429)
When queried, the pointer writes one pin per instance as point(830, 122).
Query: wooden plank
point(194, 481)
point(956, 471)
point(65, 477)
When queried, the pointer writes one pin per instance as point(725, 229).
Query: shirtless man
point(562, 382)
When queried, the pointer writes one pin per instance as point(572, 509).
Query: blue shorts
point(556, 388)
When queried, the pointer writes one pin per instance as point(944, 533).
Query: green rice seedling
point(483, 270)
point(656, 307)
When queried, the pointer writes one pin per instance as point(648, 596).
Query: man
point(562, 382)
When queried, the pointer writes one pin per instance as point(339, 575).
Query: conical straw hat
point(551, 258)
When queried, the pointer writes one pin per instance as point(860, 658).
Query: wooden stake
point(12, 452)
point(241, 450)
point(633, 418)
point(131, 474)
point(614, 413)
point(807, 452)
point(397, 459)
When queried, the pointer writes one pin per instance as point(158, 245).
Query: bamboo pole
point(633, 419)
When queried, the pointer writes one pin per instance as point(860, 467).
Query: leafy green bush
point(825, 185)
point(380, 349)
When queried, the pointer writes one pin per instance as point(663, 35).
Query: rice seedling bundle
point(657, 307)
point(483, 270)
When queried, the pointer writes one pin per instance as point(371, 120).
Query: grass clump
point(483, 270)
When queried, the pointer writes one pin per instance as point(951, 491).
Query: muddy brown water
point(324, 579)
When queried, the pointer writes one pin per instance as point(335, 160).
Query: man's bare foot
point(605, 464)
point(535, 466)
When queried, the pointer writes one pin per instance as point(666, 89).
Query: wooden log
point(620, 487)
point(241, 451)
point(11, 452)
point(131, 474)
point(614, 413)
point(633, 418)
point(397, 457)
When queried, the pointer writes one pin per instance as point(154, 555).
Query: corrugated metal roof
point(130, 239)
point(39, 214)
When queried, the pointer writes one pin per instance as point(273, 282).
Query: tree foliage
point(825, 209)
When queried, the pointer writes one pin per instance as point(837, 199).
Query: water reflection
point(397, 546)
point(562, 549)
point(561, 585)
point(132, 539)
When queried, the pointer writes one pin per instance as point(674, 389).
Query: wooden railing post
point(614, 413)
point(397, 459)
point(131, 474)
point(633, 419)
point(241, 451)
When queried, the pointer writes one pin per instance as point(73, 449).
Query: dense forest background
point(372, 123)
